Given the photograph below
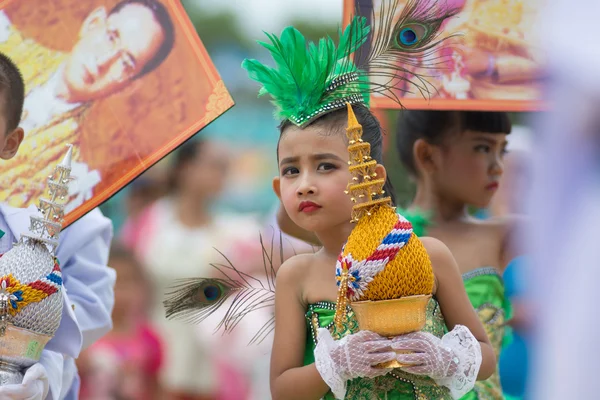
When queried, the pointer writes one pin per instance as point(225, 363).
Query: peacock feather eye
point(411, 35)
point(212, 292)
point(408, 37)
point(209, 291)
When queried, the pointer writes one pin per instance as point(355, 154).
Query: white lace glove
point(351, 357)
point(452, 361)
point(34, 386)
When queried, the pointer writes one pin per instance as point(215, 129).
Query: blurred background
point(215, 192)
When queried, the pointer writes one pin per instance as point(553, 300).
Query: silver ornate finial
point(47, 227)
point(31, 299)
point(66, 162)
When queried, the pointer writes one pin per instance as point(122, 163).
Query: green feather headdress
point(313, 79)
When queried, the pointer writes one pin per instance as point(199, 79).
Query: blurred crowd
point(174, 231)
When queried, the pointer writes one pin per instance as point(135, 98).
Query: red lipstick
point(492, 186)
point(308, 206)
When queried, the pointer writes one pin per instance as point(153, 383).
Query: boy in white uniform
point(83, 252)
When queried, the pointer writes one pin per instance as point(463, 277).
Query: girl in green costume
point(312, 87)
point(306, 362)
point(455, 157)
point(456, 160)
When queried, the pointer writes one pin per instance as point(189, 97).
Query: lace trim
point(325, 364)
point(467, 351)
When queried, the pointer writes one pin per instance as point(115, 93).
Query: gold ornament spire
point(382, 260)
point(365, 186)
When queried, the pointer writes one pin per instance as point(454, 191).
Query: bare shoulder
point(508, 230)
point(442, 261)
point(293, 271)
point(438, 252)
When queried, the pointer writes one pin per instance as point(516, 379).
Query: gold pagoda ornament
point(383, 269)
point(365, 185)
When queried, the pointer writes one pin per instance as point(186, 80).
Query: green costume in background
point(485, 289)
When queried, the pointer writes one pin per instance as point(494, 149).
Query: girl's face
point(470, 165)
point(206, 175)
point(313, 175)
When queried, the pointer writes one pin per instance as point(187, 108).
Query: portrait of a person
point(96, 74)
point(489, 52)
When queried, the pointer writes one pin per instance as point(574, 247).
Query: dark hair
point(13, 91)
point(161, 15)
point(185, 154)
point(336, 122)
point(118, 251)
point(434, 126)
point(121, 252)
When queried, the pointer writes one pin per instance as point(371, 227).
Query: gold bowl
point(392, 318)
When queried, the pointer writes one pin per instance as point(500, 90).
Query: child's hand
point(452, 361)
point(351, 357)
point(356, 354)
point(427, 355)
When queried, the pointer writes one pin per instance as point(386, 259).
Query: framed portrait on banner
point(124, 81)
point(488, 56)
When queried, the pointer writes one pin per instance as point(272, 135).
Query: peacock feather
point(194, 299)
point(311, 79)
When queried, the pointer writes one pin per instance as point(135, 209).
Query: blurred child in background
point(124, 364)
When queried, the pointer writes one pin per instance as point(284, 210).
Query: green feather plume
point(304, 72)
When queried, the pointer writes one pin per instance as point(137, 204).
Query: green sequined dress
point(485, 289)
point(397, 385)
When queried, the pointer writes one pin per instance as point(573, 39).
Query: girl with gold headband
point(366, 315)
point(456, 160)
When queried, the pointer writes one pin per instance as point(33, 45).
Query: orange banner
point(489, 58)
point(125, 82)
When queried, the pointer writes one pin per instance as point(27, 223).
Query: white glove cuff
point(467, 357)
point(325, 365)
